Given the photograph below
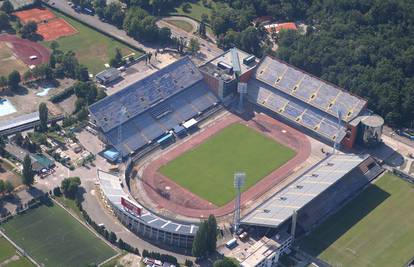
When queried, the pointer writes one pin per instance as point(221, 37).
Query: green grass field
point(92, 48)
point(374, 229)
point(54, 238)
point(195, 11)
point(9, 256)
point(208, 169)
point(184, 25)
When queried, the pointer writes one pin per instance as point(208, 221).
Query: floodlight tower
point(335, 148)
point(239, 178)
point(121, 117)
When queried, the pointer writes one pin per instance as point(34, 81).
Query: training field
point(92, 48)
point(208, 170)
point(375, 229)
point(9, 257)
point(9, 61)
point(54, 238)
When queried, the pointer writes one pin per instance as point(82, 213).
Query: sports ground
point(9, 257)
point(195, 178)
point(374, 229)
point(208, 169)
point(54, 238)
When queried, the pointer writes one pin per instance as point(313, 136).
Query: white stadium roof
point(296, 195)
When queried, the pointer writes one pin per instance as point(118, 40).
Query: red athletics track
point(24, 49)
point(183, 202)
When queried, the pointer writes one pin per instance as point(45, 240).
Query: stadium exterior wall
point(153, 234)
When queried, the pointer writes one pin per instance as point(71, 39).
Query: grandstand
point(145, 224)
point(307, 201)
point(304, 99)
point(153, 106)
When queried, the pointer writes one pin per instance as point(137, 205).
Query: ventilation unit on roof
point(249, 60)
point(278, 79)
point(329, 164)
point(315, 175)
point(266, 211)
point(283, 198)
point(299, 186)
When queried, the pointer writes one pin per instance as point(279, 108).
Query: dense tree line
point(205, 240)
point(365, 47)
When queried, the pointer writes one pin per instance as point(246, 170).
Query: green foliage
point(28, 30)
point(206, 238)
point(70, 186)
point(194, 46)
point(14, 80)
point(4, 20)
point(62, 95)
point(7, 7)
point(225, 262)
point(27, 172)
point(117, 60)
point(6, 187)
point(43, 116)
point(365, 47)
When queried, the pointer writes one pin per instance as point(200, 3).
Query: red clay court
point(24, 49)
point(182, 201)
point(55, 29)
point(49, 26)
point(35, 14)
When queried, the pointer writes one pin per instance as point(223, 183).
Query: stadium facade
point(158, 107)
point(140, 220)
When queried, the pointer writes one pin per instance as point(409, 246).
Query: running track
point(183, 202)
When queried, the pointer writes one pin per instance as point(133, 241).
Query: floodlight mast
point(122, 113)
point(335, 147)
point(239, 178)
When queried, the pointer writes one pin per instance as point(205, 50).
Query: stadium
point(185, 130)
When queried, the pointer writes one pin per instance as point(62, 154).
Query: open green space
point(8, 174)
point(208, 169)
point(374, 229)
point(184, 25)
point(54, 238)
point(8, 256)
point(92, 48)
point(195, 10)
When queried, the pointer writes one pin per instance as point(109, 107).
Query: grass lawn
point(184, 25)
point(7, 173)
point(54, 238)
point(9, 62)
point(7, 251)
point(208, 169)
point(196, 10)
point(375, 229)
point(92, 48)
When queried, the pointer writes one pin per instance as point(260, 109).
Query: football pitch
point(208, 169)
point(374, 229)
point(54, 238)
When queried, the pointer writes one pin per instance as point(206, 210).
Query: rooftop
point(212, 67)
point(296, 195)
point(18, 121)
point(309, 89)
point(144, 94)
point(112, 189)
point(108, 74)
point(277, 27)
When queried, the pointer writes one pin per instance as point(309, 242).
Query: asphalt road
point(390, 132)
point(94, 21)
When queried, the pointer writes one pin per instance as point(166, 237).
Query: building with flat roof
point(145, 224)
point(223, 72)
point(108, 76)
point(145, 111)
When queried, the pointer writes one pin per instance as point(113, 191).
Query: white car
point(33, 57)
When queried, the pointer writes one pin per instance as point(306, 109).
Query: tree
point(117, 60)
point(28, 30)
point(2, 187)
point(7, 7)
point(225, 262)
point(14, 80)
point(211, 234)
point(202, 29)
point(70, 186)
point(54, 46)
point(56, 191)
point(2, 145)
point(18, 139)
point(194, 46)
point(8, 187)
point(164, 35)
point(3, 81)
point(82, 114)
point(199, 248)
point(28, 173)
point(112, 238)
point(43, 116)
point(4, 20)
